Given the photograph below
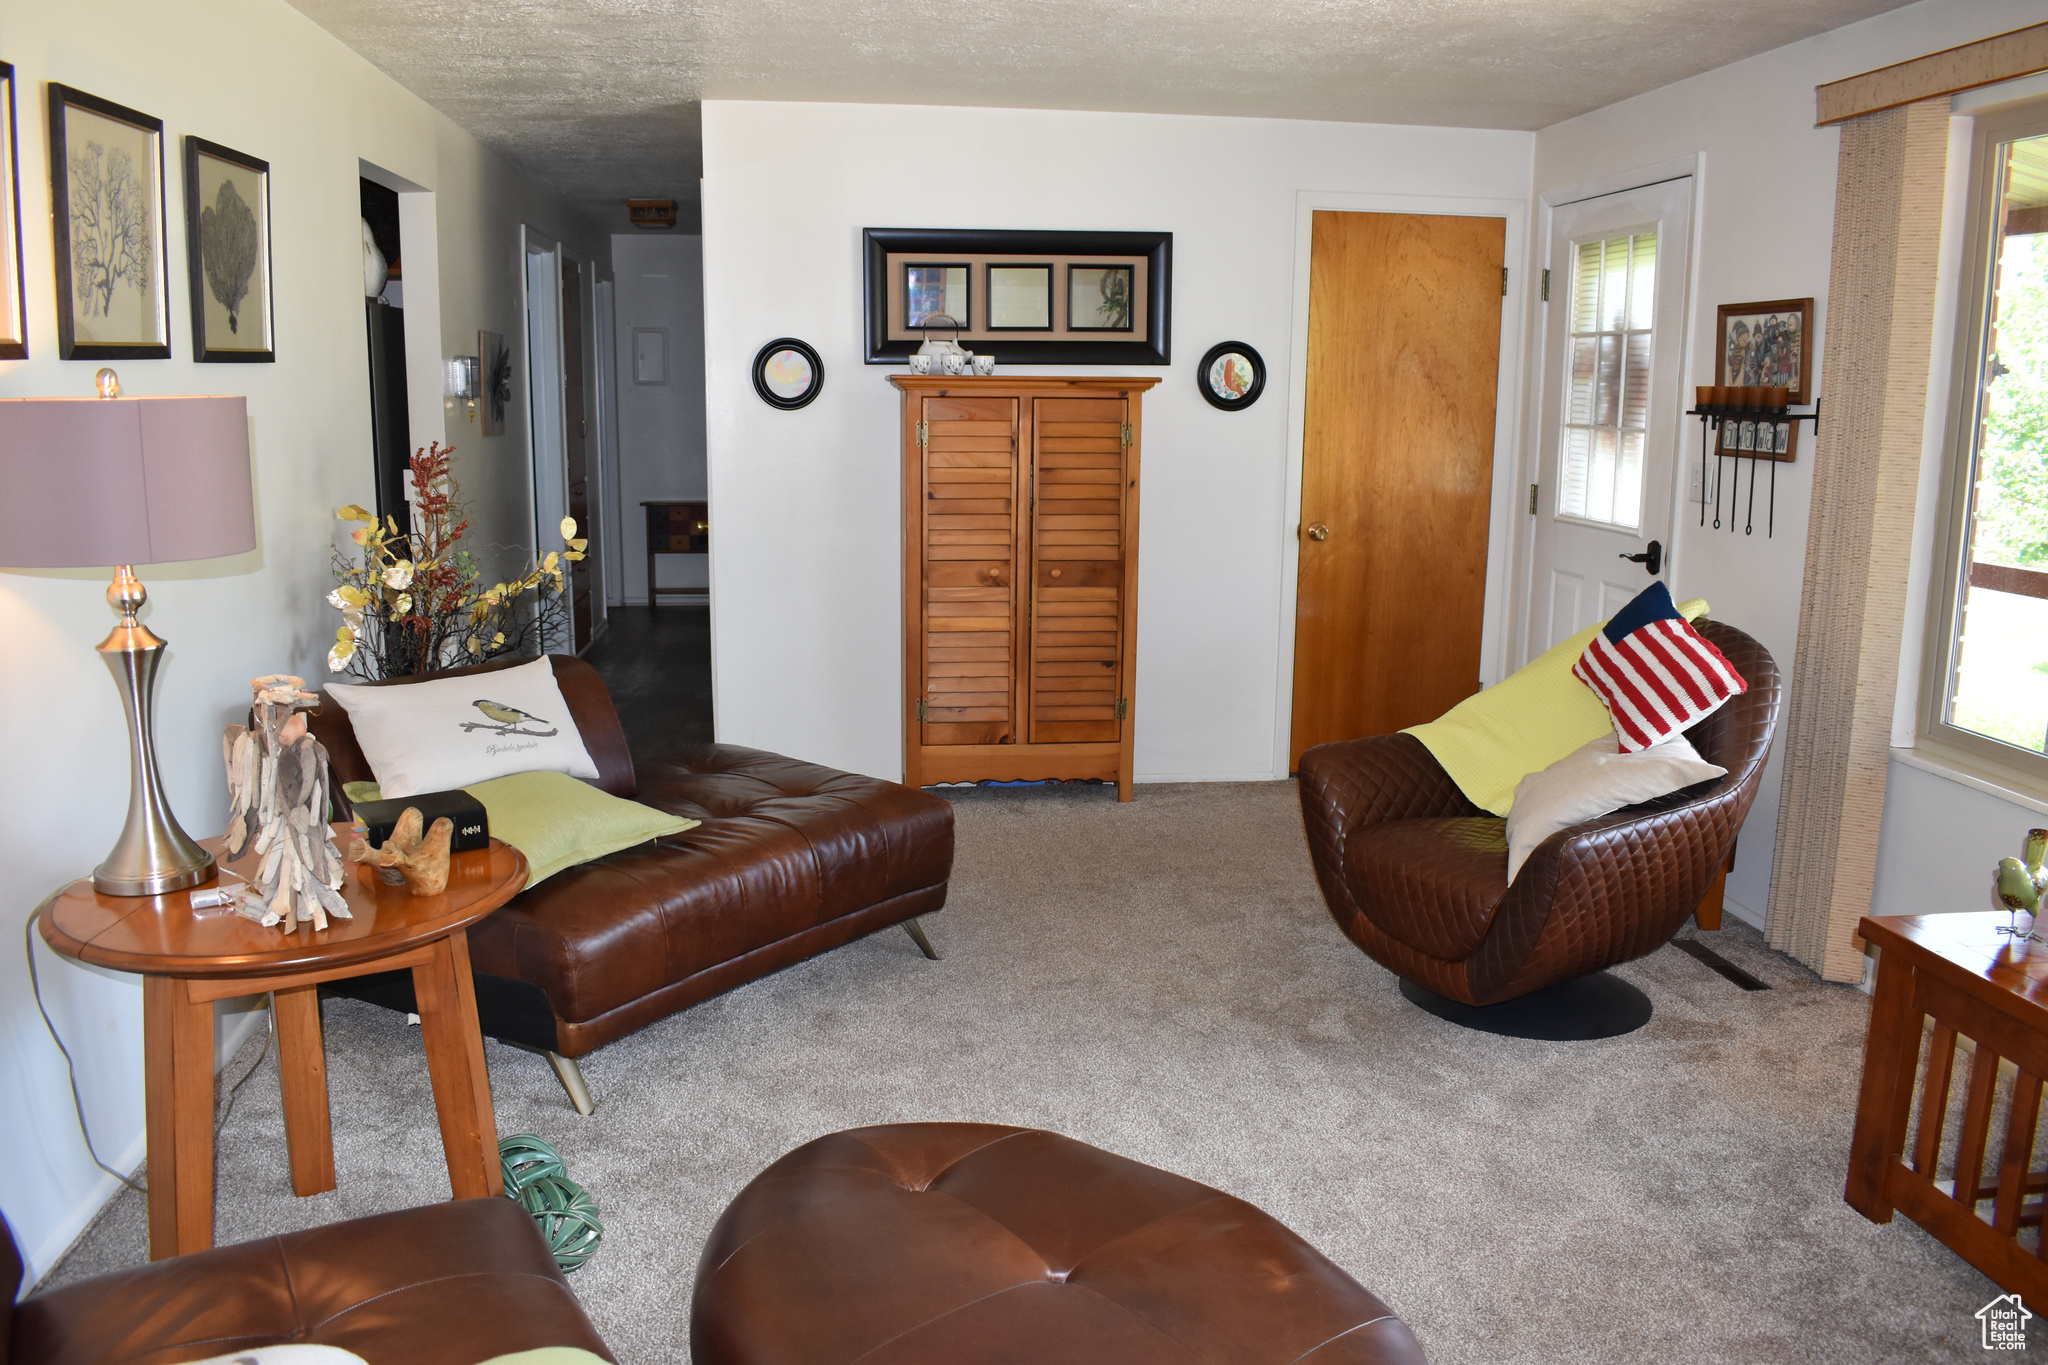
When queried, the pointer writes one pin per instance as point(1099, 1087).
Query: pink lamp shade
point(95, 482)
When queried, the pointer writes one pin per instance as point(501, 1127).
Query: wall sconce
point(463, 381)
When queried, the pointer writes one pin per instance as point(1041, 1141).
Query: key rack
point(1758, 433)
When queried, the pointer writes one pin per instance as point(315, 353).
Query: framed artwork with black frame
point(107, 216)
point(13, 291)
point(1040, 275)
point(1766, 345)
point(1231, 376)
point(788, 373)
point(227, 243)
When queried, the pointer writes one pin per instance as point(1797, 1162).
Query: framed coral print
point(227, 241)
point(107, 218)
point(13, 294)
point(1765, 344)
point(1231, 376)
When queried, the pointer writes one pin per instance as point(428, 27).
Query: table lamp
point(113, 481)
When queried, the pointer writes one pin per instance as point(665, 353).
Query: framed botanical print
point(1766, 345)
point(13, 294)
point(107, 215)
point(227, 238)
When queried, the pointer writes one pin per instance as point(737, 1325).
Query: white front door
point(1613, 337)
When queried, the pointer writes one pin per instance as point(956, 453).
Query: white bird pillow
point(439, 735)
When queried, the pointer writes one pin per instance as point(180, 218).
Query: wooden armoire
point(1020, 577)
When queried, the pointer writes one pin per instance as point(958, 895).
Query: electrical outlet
point(1704, 482)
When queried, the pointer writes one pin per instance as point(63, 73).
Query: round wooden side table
point(187, 961)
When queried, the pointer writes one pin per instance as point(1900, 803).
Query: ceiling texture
point(599, 98)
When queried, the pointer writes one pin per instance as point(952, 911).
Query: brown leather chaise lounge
point(792, 860)
point(1416, 874)
point(447, 1284)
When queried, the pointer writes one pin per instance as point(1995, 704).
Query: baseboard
point(42, 1258)
point(1753, 918)
point(1264, 775)
point(235, 1029)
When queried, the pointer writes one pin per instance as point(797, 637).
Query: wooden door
point(1397, 469)
point(576, 452)
point(971, 496)
point(1079, 487)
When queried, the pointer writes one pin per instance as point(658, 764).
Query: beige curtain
point(1873, 381)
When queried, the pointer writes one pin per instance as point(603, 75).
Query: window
point(1987, 690)
point(1607, 385)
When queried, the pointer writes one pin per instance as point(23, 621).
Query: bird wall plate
point(788, 373)
point(1231, 376)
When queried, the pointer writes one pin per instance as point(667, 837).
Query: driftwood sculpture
point(277, 809)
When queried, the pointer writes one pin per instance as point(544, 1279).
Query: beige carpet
point(1161, 979)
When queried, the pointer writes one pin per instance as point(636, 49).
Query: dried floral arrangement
point(416, 602)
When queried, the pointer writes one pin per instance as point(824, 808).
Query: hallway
point(657, 663)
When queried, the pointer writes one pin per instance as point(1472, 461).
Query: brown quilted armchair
point(1417, 875)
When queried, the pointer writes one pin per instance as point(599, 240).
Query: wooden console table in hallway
point(1959, 972)
point(676, 528)
point(188, 960)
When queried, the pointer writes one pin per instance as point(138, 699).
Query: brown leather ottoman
point(970, 1242)
point(447, 1284)
point(792, 859)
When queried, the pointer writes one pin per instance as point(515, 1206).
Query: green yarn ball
point(567, 1217)
point(526, 1157)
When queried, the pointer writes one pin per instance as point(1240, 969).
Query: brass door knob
point(1318, 531)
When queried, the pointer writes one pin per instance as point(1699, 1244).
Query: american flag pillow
point(1656, 674)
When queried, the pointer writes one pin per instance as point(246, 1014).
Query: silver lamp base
point(153, 855)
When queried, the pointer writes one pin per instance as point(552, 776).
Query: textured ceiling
point(599, 97)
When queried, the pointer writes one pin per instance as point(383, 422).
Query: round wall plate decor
point(788, 373)
point(1232, 376)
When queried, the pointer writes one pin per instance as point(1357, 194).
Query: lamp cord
point(71, 1068)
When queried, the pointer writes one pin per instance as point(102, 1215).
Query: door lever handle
point(1651, 559)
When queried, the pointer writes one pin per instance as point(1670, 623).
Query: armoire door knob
point(1318, 531)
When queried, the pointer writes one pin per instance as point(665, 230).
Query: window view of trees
point(2001, 683)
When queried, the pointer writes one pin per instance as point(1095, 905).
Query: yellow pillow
point(556, 820)
point(1522, 724)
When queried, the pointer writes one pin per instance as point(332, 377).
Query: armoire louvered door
point(1020, 577)
point(970, 537)
point(1077, 531)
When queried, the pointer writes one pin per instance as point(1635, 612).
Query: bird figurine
point(506, 720)
point(2023, 886)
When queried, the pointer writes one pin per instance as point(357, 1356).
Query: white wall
point(806, 555)
point(1765, 231)
point(312, 109)
point(661, 426)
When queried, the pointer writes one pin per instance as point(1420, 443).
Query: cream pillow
point(439, 735)
point(1593, 780)
point(287, 1353)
